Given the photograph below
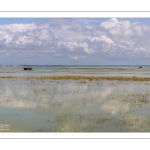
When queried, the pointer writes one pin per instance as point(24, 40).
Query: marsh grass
point(135, 100)
point(73, 77)
point(90, 78)
point(136, 122)
point(101, 120)
point(8, 77)
point(84, 82)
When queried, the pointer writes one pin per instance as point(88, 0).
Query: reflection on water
point(74, 106)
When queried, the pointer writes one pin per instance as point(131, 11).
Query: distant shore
point(73, 77)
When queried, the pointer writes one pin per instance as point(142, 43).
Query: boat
point(27, 68)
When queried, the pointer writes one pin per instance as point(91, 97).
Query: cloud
point(103, 38)
point(138, 30)
point(123, 29)
point(73, 39)
point(74, 46)
point(125, 24)
point(110, 23)
point(76, 57)
point(71, 46)
point(24, 40)
point(44, 35)
point(6, 36)
point(19, 27)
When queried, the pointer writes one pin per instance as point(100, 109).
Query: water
point(77, 70)
point(74, 106)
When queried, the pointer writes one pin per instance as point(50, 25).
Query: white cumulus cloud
point(18, 27)
point(110, 23)
point(69, 38)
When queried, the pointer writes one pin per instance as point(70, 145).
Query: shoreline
point(73, 77)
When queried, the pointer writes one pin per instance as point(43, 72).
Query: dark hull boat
point(27, 68)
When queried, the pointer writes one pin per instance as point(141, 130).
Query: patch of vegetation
point(90, 78)
point(9, 77)
point(74, 77)
point(136, 123)
point(136, 100)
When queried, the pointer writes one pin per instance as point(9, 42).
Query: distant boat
point(27, 68)
point(140, 67)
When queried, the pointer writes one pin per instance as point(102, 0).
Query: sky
point(75, 41)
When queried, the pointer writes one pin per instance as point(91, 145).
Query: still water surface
point(77, 70)
point(74, 106)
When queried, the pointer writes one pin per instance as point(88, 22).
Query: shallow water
point(77, 70)
point(74, 106)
